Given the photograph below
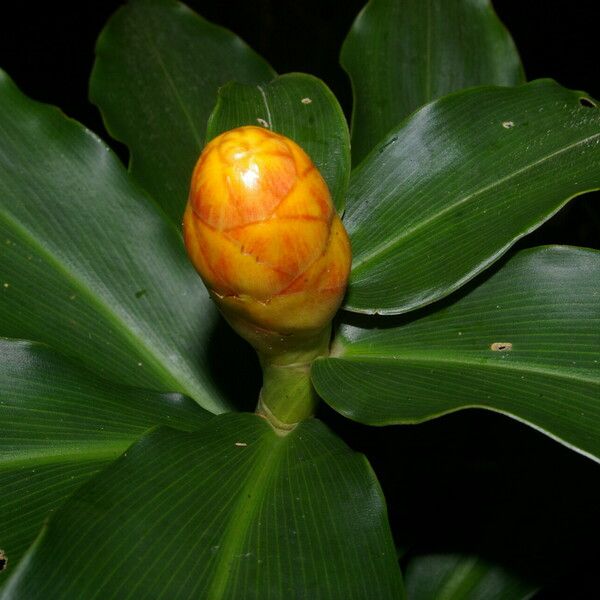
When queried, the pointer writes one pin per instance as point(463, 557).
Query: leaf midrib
point(64, 453)
point(381, 248)
point(426, 356)
point(248, 500)
point(462, 581)
point(171, 85)
point(103, 308)
point(267, 108)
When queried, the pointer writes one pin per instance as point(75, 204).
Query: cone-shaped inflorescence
point(262, 232)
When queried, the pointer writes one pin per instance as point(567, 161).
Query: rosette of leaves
point(127, 469)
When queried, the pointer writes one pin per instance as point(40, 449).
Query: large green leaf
point(58, 426)
point(525, 343)
point(158, 68)
point(458, 183)
point(88, 264)
point(230, 511)
point(299, 106)
point(463, 577)
point(401, 54)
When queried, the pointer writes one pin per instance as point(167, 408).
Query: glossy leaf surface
point(58, 426)
point(403, 54)
point(158, 68)
point(525, 342)
point(462, 577)
point(88, 265)
point(230, 511)
point(451, 189)
point(300, 107)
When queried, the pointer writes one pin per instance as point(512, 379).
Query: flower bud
point(262, 232)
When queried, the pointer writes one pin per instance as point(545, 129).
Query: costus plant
point(376, 270)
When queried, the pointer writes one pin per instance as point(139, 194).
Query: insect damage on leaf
point(501, 346)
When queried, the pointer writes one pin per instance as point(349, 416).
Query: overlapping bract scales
point(260, 226)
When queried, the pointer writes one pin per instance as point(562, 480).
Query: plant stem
point(287, 395)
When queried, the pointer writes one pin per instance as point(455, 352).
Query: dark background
point(473, 481)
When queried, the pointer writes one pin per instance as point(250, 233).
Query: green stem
point(287, 395)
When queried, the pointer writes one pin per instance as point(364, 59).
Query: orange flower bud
point(263, 234)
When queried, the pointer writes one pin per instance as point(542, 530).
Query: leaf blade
point(300, 107)
point(158, 68)
point(524, 343)
point(402, 55)
point(463, 577)
point(88, 265)
point(209, 538)
point(59, 425)
point(458, 183)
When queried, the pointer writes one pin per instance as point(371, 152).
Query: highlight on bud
point(262, 232)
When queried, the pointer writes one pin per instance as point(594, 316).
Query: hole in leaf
point(587, 103)
point(501, 346)
point(3, 560)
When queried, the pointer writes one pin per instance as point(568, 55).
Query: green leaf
point(300, 107)
point(403, 54)
point(88, 264)
point(58, 426)
point(463, 577)
point(526, 343)
point(158, 68)
point(451, 189)
point(230, 511)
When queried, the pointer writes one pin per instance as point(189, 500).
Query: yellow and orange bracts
point(262, 232)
